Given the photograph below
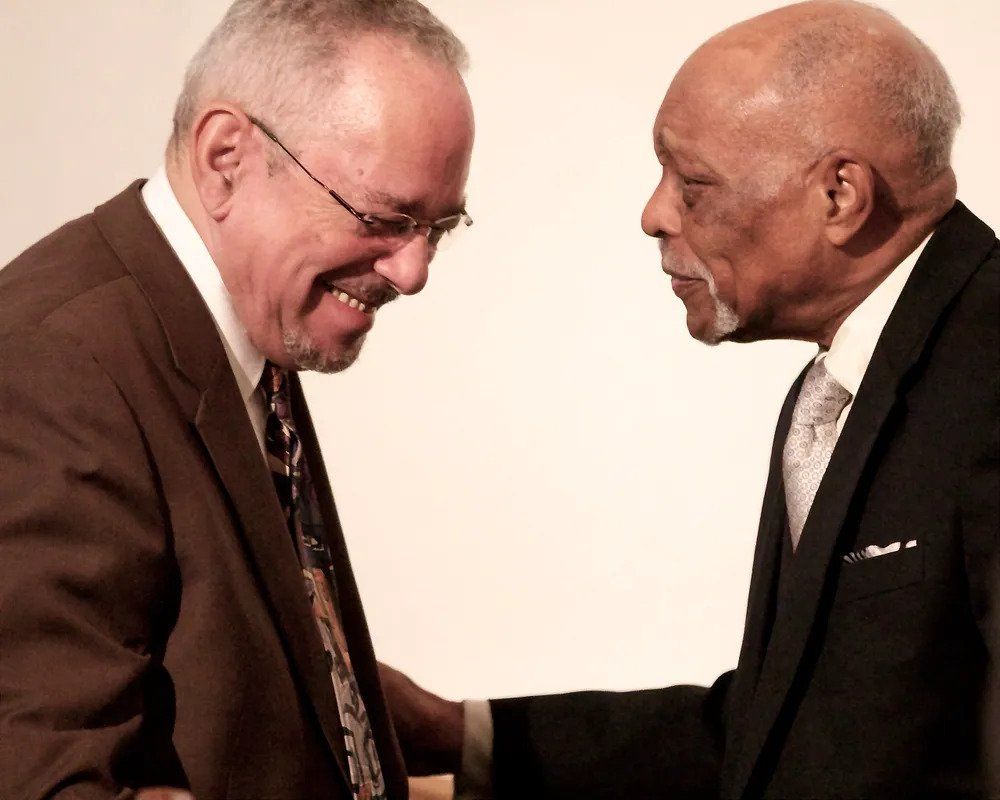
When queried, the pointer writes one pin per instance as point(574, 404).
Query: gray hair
point(906, 86)
point(279, 57)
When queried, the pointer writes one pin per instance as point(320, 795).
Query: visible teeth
point(346, 299)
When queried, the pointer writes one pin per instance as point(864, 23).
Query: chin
point(309, 357)
point(711, 338)
point(723, 327)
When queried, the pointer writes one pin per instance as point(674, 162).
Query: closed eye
point(691, 189)
point(692, 181)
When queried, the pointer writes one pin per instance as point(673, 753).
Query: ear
point(845, 192)
point(221, 140)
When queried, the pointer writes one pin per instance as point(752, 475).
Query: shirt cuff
point(475, 780)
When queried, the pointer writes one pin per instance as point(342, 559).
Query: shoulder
point(43, 368)
point(69, 300)
point(69, 263)
point(971, 326)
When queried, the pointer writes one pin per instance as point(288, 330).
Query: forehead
point(401, 126)
point(713, 109)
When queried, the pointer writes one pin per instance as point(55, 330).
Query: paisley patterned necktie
point(810, 443)
point(297, 494)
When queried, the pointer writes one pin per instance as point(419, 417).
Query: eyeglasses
point(390, 224)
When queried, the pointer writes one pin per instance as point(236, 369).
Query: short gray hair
point(910, 91)
point(279, 57)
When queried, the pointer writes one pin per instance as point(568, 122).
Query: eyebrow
point(413, 208)
point(662, 147)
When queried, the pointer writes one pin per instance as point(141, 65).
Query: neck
point(179, 177)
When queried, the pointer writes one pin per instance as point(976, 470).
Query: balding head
point(805, 152)
point(827, 74)
point(844, 71)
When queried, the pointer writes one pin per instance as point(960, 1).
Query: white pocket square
point(874, 551)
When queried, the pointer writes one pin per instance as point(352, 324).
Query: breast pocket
point(880, 574)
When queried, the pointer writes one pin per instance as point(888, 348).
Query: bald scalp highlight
point(282, 59)
point(844, 54)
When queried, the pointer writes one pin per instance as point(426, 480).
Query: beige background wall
point(544, 483)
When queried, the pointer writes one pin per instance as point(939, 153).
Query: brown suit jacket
point(154, 628)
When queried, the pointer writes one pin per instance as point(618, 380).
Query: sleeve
point(85, 582)
point(605, 745)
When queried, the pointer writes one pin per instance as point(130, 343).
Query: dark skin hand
point(430, 728)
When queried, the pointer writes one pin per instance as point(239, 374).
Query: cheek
point(716, 245)
point(280, 282)
point(736, 250)
point(295, 257)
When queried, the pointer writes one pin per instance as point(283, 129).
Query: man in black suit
point(807, 193)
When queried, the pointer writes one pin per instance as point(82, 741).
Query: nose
point(406, 268)
point(661, 217)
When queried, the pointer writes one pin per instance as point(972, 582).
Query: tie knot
point(274, 386)
point(821, 399)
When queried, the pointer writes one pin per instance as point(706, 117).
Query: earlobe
point(850, 189)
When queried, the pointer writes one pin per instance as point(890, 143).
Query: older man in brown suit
point(176, 602)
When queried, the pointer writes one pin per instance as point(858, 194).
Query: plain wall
point(545, 484)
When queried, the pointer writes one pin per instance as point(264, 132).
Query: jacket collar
point(185, 241)
point(187, 324)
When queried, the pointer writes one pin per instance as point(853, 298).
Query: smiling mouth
point(350, 300)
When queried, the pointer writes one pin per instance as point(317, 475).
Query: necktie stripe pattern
point(297, 495)
point(811, 439)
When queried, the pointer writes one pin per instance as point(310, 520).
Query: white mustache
point(675, 265)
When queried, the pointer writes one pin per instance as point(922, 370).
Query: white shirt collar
point(854, 343)
point(161, 202)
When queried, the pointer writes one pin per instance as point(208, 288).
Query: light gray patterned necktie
point(810, 443)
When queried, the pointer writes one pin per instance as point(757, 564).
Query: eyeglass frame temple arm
point(366, 219)
point(347, 206)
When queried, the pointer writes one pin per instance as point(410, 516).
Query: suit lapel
point(236, 456)
point(950, 258)
point(218, 413)
point(763, 582)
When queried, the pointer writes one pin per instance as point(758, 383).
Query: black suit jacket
point(154, 627)
point(855, 680)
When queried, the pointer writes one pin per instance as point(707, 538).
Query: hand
point(430, 728)
point(164, 793)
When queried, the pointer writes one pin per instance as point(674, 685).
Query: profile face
point(307, 277)
point(728, 210)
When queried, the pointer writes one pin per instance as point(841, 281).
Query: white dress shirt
point(245, 359)
point(847, 361)
point(854, 342)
